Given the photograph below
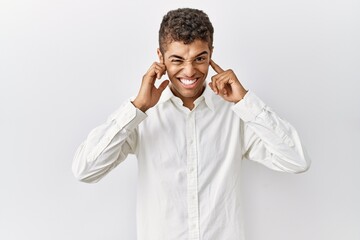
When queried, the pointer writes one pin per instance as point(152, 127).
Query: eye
point(177, 61)
point(200, 59)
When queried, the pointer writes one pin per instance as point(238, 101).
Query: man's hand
point(226, 84)
point(148, 94)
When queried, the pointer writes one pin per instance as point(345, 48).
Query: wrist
point(241, 97)
point(139, 105)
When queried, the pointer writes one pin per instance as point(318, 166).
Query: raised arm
point(110, 143)
point(268, 139)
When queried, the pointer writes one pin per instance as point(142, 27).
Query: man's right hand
point(148, 94)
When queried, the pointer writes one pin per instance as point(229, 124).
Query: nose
point(189, 69)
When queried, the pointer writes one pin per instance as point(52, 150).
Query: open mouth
point(188, 83)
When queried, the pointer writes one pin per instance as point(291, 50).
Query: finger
point(216, 67)
point(213, 84)
point(223, 84)
point(214, 80)
point(161, 66)
point(218, 83)
point(158, 73)
point(163, 85)
point(160, 70)
point(150, 75)
point(152, 69)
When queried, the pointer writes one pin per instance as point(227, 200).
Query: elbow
point(295, 165)
point(303, 168)
point(303, 165)
point(82, 170)
point(306, 163)
point(83, 176)
point(85, 179)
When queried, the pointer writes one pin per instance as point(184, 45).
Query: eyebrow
point(176, 56)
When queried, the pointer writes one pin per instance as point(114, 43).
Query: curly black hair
point(185, 25)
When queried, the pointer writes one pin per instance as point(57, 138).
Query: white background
point(66, 65)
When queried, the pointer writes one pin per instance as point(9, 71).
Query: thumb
point(163, 85)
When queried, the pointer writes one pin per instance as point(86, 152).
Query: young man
point(190, 139)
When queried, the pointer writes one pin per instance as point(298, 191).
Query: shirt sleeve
point(268, 139)
point(108, 144)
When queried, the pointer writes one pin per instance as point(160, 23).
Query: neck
point(188, 102)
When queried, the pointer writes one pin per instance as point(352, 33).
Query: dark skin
point(187, 67)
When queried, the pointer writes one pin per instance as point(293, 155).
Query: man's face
point(187, 66)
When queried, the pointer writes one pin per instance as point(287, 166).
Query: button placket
point(192, 178)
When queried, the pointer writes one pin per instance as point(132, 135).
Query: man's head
point(185, 25)
point(185, 39)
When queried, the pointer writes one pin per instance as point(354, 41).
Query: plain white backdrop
point(66, 65)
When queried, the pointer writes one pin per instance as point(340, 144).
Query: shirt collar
point(207, 95)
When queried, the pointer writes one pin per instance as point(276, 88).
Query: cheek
point(204, 69)
point(171, 70)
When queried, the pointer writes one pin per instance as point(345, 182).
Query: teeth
point(187, 81)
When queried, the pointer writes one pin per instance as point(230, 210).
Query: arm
point(268, 139)
point(109, 144)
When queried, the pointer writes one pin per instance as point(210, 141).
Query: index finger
point(160, 70)
point(216, 67)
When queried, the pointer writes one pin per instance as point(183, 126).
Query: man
point(190, 138)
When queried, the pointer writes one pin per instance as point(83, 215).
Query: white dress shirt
point(189, 162)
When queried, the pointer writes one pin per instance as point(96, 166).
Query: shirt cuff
point(130, 117)
point(249, 107)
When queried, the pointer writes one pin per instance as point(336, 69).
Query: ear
point(161, 57)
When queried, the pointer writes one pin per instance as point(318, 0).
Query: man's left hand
point(226, 84)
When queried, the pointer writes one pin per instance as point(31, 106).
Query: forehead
point(186, 50)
